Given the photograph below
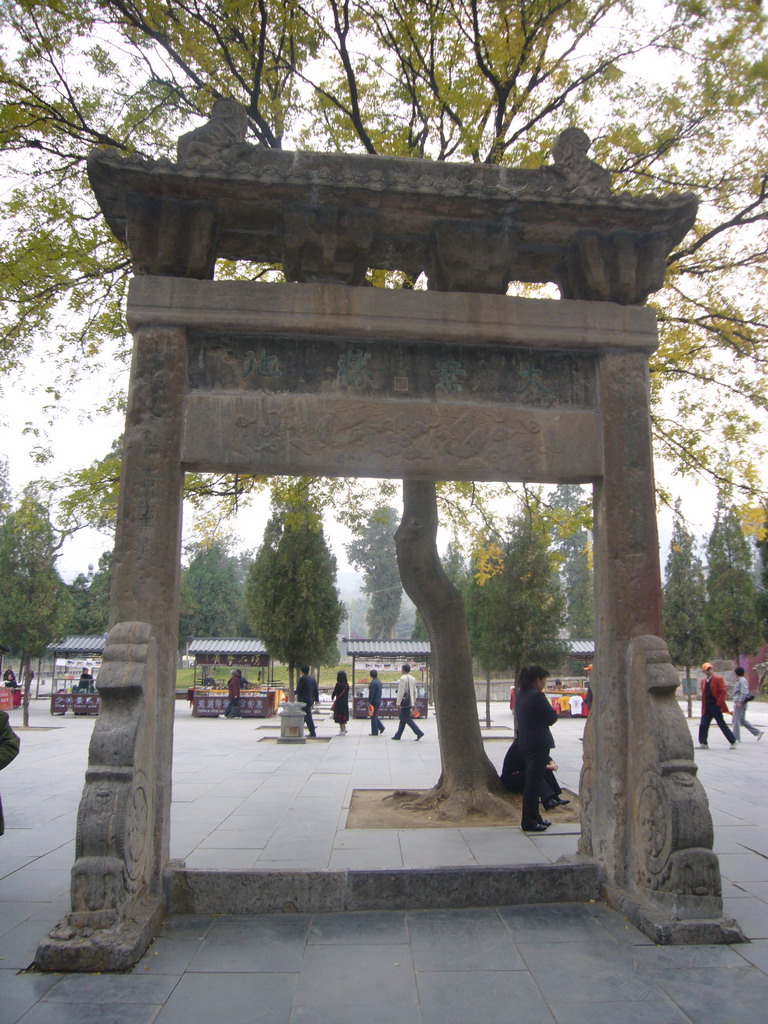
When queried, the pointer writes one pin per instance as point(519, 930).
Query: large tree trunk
point(468, 782)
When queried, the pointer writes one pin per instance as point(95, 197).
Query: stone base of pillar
point(668, 928)
point(292, 724)
point(117, 948)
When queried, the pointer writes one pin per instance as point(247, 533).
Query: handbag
point(749, 697)
point(371, 709)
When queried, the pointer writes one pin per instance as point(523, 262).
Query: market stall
point(76, 658)
point(208, 696)
point(389, 656)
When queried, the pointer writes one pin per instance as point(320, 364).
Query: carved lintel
point(467, 256)
point(327, 243)
point(620, 266)
point(170, 236)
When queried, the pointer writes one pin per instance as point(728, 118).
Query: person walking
point(533, 717)
point(374, 699)
point(741, 696)
point(406, 698)
point(9, 748)
point(307, 693)
point(340, 706)
point(233, 689)
point(713, 706)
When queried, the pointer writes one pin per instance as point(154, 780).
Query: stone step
point(197, 891)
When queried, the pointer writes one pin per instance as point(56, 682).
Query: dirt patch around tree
point(387, 808)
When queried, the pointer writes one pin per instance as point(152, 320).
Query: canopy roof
point(388, 649)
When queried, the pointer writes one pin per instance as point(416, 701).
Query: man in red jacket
point(713, 706)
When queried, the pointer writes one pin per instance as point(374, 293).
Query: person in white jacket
point(406, 698)
point(740, 695)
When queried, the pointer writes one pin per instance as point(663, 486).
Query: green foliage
point(32, 602)
point(291, 594)
point(685, 598)
point(212, 594)
point(732, 615)
point(88, 613)
point(515, 613)
point(571, 514)
point(373, 552)
point(473, 80)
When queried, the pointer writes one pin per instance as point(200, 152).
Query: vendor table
point(80, 703)
point(212, 703)
point(387, 709)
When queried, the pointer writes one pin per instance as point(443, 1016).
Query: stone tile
point(345, 977)
point(589, 972)
point(564, 922)
point(490, 997)
point(45, 1012)
point(751, 913)
point(736, 996)
point(230, 998)
point(653, 1010)
point(462, 940)
point(261, 944)
point(755, 953)
point(374, 927)
point(744, 867)
point(687, 957)
point(221, 858)
point(20, 992)
point(112, 988)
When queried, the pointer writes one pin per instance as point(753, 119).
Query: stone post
point(645, 818)
point(124, 817)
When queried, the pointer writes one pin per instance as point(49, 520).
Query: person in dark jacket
point(533, 717)
point(340, 704)
point(374, 699)
point(513, 778)
point(307, 693)
point(234, 687)
point(9, 748)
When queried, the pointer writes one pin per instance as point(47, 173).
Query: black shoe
point(535, 828)
point(551, 803)
point(563, 802)
point(381, 730)
point(419, 736)
point(544, 822)
point(395, 737)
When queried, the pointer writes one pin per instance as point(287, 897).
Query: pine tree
point(291, 593)
point(373, 552)
point(32, 598)
point(732, 616)
point(685, 602)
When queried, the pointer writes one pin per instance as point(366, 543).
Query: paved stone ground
point(241, 801)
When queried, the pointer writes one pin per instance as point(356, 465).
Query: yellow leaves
point(489, 562)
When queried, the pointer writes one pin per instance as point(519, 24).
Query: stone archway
point(321, 376)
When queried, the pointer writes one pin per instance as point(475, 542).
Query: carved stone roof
point(332, 216)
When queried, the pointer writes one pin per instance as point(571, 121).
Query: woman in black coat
point(533, 716)
point(340, 706)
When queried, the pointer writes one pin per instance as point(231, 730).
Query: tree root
point(459, 805)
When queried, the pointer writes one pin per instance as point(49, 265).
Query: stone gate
point(322, 375)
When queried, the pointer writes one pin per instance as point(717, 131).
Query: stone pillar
point(646, 818)
point(124, 818)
